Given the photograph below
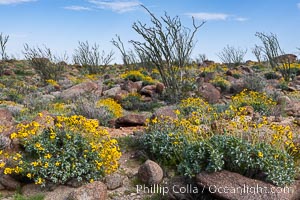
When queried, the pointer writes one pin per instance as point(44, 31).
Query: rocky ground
point(19, 90)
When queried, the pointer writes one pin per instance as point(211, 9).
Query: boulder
point(237, 85)
point(80, 89)
point(8, 182)
point(114, 181)
point(160, 87)
point(293, 109)
point(150, 173)
point(131, 120)
point(6, 118)
point(6, 124)
point(233, 186)
point(167, 111)
point(149, 90)
point(181, 187)
point(120, 95)
point(112, 91)
point(209, 92)
point(92, 191)
point(131, 86)
point(246, 69)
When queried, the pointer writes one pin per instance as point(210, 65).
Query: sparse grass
point(34, 197)
point(136, 181)
point(156, 196)
point(128, 142)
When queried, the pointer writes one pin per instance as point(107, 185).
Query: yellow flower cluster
point(283, 137)
point(27, 130)
point(98, 138)
point(259, 101)
point(8, 103)
point(59, 108)
point(135, 75)
point(196, 104)
point(52, 82)
point(219, 81)
point(252, 97)
point(277, 135)
point(114, 107)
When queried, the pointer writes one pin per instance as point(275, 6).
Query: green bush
point(61, 159)
point(234, 154)
point(64, 149)
point(271, 75)
point(45, 63)
point(254, 82)
point(134, 101)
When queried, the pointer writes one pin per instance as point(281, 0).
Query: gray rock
point(47, 98)
point(167, 111)
point(131, 120)
point(114, 181)
point(92, 191)
point(233, 186)
point(149, 90)
point(150, 173)
point(112, 91)
point(9, 183)
point(209, 92)
point(77, 90)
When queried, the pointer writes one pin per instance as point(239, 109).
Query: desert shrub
point(45, 63)
point(138, 76)
point(133, 101)
point(259, 68)
point(271, 75)
point(219, 81)
point(259, 101)
point(65, 148)
point(165, 138)
point(13, 95)
point(235, 154)
point(232, 56)
point(90, 57)
point(3, 42)
point(283, 85)
point(114, 107)
point(104, 110)
point(254, 82)
point(168, 45)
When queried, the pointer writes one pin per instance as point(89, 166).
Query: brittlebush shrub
point(234, 154)
point(134, 101)
point(187, 142)
point(135, 75)
point(65, 148)
point(259, 101)
point(165, 138)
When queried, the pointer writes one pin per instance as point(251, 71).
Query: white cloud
point(208, 16)
point(117, 6)
point(77, 8)
point(298, 5)
point(216, 16)
point(7, 2)
point(241, 19)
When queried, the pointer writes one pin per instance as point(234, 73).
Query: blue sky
point(61, 24)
